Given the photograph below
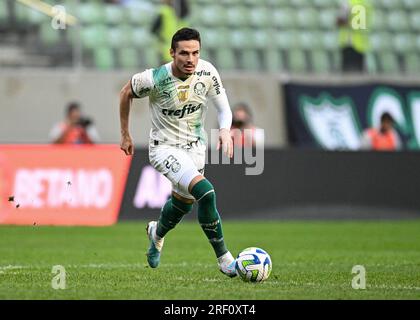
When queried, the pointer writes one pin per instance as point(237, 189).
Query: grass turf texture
point(311, 260)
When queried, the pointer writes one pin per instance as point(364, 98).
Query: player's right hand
point(127, 145)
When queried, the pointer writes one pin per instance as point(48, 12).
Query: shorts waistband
point(179, 145)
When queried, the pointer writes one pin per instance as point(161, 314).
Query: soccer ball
point(253, 265)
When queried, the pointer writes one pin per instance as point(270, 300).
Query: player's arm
point(140, 85)
point(224, 117)
point(219, 98)
point(126, 99)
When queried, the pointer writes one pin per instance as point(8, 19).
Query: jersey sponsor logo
point(180, 113)
point(216, 84)
point(201, 73)
point(199, 88)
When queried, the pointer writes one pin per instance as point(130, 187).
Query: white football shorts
point(179, 164)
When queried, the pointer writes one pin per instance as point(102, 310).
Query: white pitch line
point(5, 268)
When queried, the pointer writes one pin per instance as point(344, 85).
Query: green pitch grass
point(311, 260)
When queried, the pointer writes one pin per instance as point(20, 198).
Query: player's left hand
point(225, 140)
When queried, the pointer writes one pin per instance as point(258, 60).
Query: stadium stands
point(297, 36)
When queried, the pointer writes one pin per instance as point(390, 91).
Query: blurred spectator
point(243, 131)
point(75, 129)
point(384, 138)
point(353, 38)
point(172, 16)
point(182, 9)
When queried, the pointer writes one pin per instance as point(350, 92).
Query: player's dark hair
point(387, 117)
point(185, 34)
point(71, 107)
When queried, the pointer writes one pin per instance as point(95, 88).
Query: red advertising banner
point(61, 185)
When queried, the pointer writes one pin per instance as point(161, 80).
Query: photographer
point(75, 129)
point(243, 131)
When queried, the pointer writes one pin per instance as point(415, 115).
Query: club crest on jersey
point(199, 88)
point(183, 93)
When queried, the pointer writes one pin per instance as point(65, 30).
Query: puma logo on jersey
point(166, 94)
point(180, 113)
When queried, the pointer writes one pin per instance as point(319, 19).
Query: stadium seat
point(212, 38)
point(240, 39)
point(277, 3)
point(251, 4)
point(371, 63)
point(204, 54)
point(273, 60)
point(329, 41)
point(379, 21)
point(398, 21)
point(225, 59)
point(150, 57)
point(128, 58)
point(94, 36)
point(412, 63)
point(142, 14)
point(237, 16)
point(4, 12)
point(251, 60)
point(90, 13)
point(258, 17)
point(141, 38)
point(296, 61)
point(320, 61)
point(298, 3)
point(404, 43)
point(286, 39)
point(213, 16)
point(36, 17)
point(377, 4)
point(21, 13)
point(261, 39)
point(115, 14)
point(392, 4)
point(415, 21)
point(309, 40)
point(389, 62)
point(284, 18)
point(227, 3)
point(103, 58)
point(119, 37)
point(381, 41)
point(411, 4)
point(324, 4)
point(48, 35)
point(308, 18)
point(327, 19)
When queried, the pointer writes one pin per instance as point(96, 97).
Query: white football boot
point(227, 264)
point(155, 245)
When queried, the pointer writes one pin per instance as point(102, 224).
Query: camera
point(85, 122)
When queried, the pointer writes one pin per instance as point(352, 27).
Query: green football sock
point(171, 214)
point(208, 217)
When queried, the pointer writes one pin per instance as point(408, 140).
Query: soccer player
point(177, 93)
